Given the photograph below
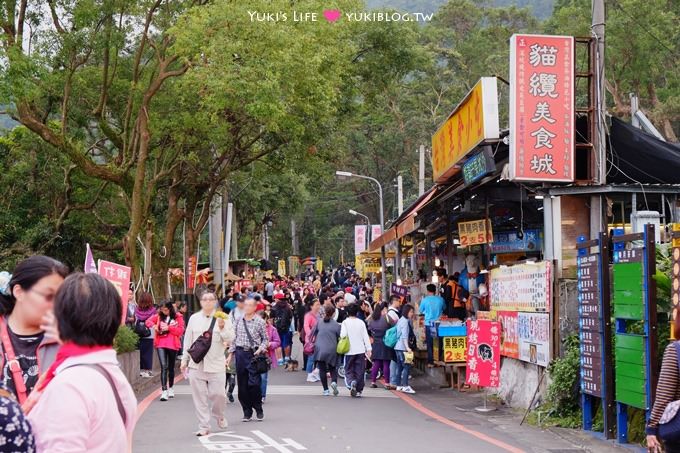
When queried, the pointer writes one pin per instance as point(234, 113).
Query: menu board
point(533, 333)
point(590, 327)
point(522, 287)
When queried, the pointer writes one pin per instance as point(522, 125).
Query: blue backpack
point(391, 337)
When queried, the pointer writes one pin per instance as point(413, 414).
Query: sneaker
point(230, 397)
point(280, 362)
point(171, 392)
point(334, 386)
point(399, 388)
point(408, 389)
point(202, 432)
point(264, 398)
point(164, 395)
point(353, 389)
point(326, 393)
point(358, 395)
point(374, 385)
point(310, 377)
point(222, 423)
point(247, 419)
point(260, 416)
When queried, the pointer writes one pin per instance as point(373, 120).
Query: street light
point(368, 224)
point(349, 174)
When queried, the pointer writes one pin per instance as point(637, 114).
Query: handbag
point(669, 423)
point(261, 362)
point(308, 348)
point(343, 346)
point(201, 345)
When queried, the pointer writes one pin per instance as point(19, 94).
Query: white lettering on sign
point(230, 442)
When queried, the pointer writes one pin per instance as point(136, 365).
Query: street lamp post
point(383, 279)
point(368, 225)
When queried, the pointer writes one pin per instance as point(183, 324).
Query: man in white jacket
point(359, 349)
point(207, 378)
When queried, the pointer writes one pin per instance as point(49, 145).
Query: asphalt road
point(299, 418)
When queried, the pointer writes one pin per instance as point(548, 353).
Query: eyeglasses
point(47, 297)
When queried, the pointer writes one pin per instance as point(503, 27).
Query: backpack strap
point(101, 370)
point(14, 365)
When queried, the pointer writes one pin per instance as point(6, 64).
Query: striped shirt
point(668, 388)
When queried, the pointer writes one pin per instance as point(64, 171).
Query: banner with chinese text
point(542, 108)
point(483, 353)
point(522, 287)
point(454, 349)
point(359, 239)
point(533, 330)
point(509, 338)
point(119, 276)
point(475, 232)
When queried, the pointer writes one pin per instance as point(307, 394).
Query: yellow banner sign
point(475, 232)
point(454, 349)
point(473, 121)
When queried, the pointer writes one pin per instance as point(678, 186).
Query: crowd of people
point(57, 330)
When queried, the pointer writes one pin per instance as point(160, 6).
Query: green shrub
point(125, 341)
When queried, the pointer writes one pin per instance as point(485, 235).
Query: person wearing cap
point(350, 298)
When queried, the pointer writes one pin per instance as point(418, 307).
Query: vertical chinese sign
point(119, 276)
point(359, 239)
point(542, 108)
point(483, 353)
point(191, 273)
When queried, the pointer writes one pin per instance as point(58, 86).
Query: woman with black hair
point(168, 329)
point(145, 310)
point(381, 355)
point(359, 350)
point(327, 333)
point(27, 326)
point(84, 402)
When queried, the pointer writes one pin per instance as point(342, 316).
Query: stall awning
point(405, 224)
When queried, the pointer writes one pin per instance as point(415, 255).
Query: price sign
point(475, 232)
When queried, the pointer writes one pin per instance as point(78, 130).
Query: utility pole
point(598, 28)
point(400, 194)
point(421, 171)
point(227, 242)
point(294, 238)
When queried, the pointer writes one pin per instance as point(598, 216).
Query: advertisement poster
point(483, 353)
point(508, 242)
point(282, 268)
point(542, 108)
point(454, 349)
point(509, 338)
point(376, 231)
point(120, 276)
point(475, 232)
point(533, 330)
point(522, 287)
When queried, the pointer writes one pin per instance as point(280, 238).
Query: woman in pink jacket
point(274, 344)
point(168, 328)
point(84, 402)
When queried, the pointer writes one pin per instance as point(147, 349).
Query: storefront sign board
point(542, 108)
point(472, 122)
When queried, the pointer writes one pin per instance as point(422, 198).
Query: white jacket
point(214, 361)
point(355, 329)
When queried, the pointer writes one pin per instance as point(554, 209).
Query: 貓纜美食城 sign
point(542, 108)
point(472, 122)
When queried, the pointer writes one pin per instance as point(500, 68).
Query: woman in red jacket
point(169, 327)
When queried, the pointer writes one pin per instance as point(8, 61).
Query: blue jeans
point(310, 363)
point(403, 370)
point(430, 343)
point(263, 384)
point(393, 373)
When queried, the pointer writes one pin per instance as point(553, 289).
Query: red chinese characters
point(119, 276)
point(542, 108)
point(483, 353)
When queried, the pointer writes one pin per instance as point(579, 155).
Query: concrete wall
point(519, 381)
point(568, 310)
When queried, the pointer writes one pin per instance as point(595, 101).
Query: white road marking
point(229, 441)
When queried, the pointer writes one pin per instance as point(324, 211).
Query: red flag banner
point(483, 353)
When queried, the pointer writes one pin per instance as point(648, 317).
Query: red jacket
point(175, 331)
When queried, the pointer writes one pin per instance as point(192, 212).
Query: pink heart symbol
point(332, 15)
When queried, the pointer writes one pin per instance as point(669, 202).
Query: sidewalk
point(504, 422)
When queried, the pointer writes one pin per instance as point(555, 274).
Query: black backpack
point(141, 330)
point(282, 318)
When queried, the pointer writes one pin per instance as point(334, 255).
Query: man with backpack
point(393, 315)
point(282, 314)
